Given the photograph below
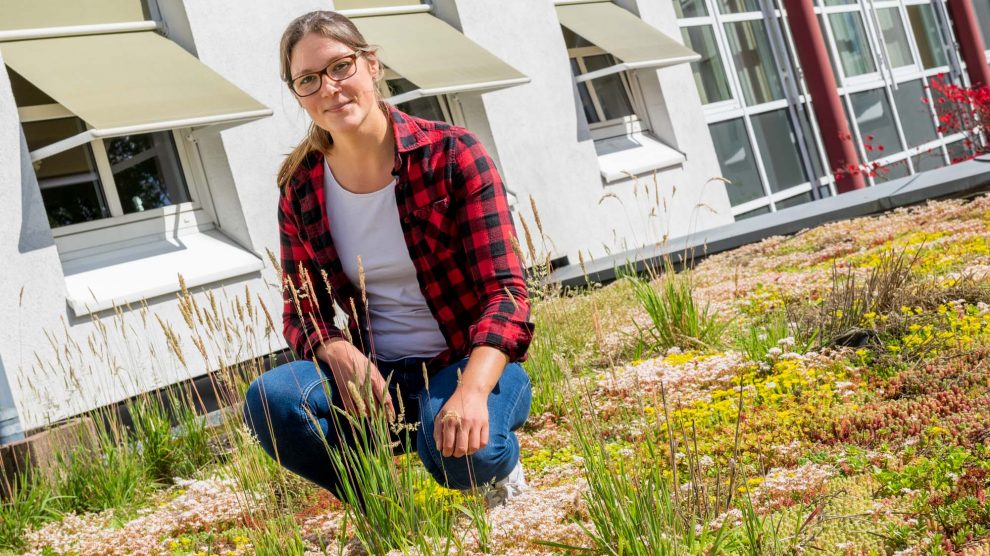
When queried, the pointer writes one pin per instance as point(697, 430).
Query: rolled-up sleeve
point(302, 324)
point(495, 268)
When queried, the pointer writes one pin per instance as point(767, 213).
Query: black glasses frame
point(325, 71)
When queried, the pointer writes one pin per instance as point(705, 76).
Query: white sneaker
point(508, 488)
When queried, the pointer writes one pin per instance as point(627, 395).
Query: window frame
point(615, 127)
point(87, 238)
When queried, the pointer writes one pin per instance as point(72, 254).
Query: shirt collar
point(408, 134)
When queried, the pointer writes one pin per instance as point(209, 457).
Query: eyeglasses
point(338, 70)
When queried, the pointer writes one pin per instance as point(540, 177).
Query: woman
point(414, 213)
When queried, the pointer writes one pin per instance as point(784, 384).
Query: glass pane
point(69, 182)
point(925, 29)
point(586, 103)
point(754, 62)
point(893, 171)
point(752, 213)
point(690, 8)
point(427, 108)
point(855, 53)
point(709, 73)
point(928, 160)
point(146, 171)
point(916, 116)
point(959, 152)
point(738, 163)
point(876, 123)
point(810, 139)
point(776, 140)
point(611, 92)
point(738, 6)
point(831, 59)
point(839, 2)
point(983, 19)
point(894, 36)
point(794, 201)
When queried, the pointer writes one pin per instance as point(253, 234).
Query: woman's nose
point(328, 85)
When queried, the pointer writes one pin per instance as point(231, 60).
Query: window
point(983, 19)
point(876, 123)
point(777, 142)
point(915, 114)
point(709, 73)
point(753, 57)
point(102, 179)
point(430, 108)
point(690, 8)
point(607, 101)
point(894, 37)
point(852, 44)
point(925, 29)
point(737, 160)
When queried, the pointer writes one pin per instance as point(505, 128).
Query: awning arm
point(391, 10)
point(206, 124)
point(646, 64)
point(469, 87)
point(76, 30)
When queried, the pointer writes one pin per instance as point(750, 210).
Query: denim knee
point(493, 462)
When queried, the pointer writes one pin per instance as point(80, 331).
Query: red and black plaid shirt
point(456, 222)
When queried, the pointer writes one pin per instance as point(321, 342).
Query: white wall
point(241, 163)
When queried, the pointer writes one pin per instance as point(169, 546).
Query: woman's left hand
point(461, 427)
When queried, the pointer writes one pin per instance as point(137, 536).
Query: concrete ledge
point(959, 180)
point(39, 451)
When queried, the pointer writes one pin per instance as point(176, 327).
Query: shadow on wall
point(10, 423)
point(35, 232)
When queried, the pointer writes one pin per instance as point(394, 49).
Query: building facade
point(139, 141)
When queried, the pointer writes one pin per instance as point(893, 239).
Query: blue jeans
point(290, 412)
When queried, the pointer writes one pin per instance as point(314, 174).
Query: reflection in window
point(709, 73)
point(793, 201)
point(914, 113)
point(855, 53)
point(752, 213)
point(983, 19)
point(427, 108)
point(146, 171)
point(754, 61)
point(925, 30)
point(738, 6)
point(876, 123)
point(613, 99)
point(777, 142)
point(690, 8)
point(738, 163)
point(69, 182)
point(929, 160)
point(894, 37)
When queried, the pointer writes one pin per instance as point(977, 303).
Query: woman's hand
point(461, 427)
point(351, 370)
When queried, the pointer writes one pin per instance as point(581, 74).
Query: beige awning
point(635, 43)
point(434, 56)
point(35, 14)
point(124, 83)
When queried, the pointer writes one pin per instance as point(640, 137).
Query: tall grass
point(677, 318)
point(29, 503)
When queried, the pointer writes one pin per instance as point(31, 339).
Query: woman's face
point(338, 106)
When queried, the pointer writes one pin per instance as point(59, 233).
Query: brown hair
point(331, 25)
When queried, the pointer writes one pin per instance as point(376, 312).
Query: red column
point(970, 42)
point(824, 91)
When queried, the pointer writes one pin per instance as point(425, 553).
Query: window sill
point(102, 281)
point(633, 155)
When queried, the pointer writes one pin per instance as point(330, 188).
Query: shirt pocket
point(436, 223)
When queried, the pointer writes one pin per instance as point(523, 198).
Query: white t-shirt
point(367, 225)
